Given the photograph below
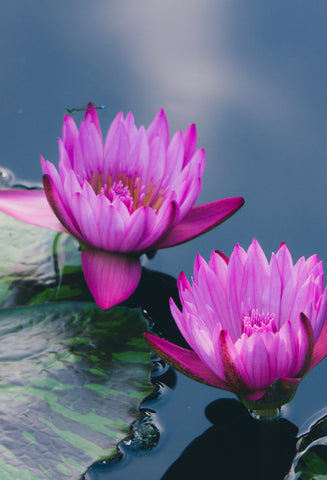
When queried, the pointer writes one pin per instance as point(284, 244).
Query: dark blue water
point(251, 75)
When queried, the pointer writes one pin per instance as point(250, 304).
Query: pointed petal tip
point(223, 256)
point(201, 219)
point(184, 360)
point(30, 206)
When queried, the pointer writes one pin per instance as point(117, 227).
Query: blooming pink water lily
point(255, 328)
point(132, 194)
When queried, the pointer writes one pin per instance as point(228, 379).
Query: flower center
point(129, 190)
point(118, 190)
point(257, 321)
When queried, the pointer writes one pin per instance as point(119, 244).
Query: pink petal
point(185, 361)
point(272, 292)
point(255, 274)
point(285, 263)
point(65, 160)
point(183, 286)
point(234, 370)
point(112, 227)
point(116, 148)
point(159, 128)
point(223, 256)
point(111, 277)
point(141, 222)
point(157, 161)
point(69, 136)
point(322, 314)
point(320, 348)
point(138, 158)
point(201, 219)
point(235, 272)
point(91, 115)
point(306, 339)
point(85, 218)
point(49, 169)
point(165, 220)
point(257, 360)
point(182, 321)
point(30, 206)
point(175, 157)
point(88, 151)
point(189, 138)
point(188, 188)
point(212, 290)
point(58, 207)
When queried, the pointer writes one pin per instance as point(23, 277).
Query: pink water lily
point(255, 328)
point(132, 194)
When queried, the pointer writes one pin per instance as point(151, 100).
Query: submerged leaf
point(72, 378)
point(38, 265)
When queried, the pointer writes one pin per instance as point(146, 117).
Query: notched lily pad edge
point(146, 431)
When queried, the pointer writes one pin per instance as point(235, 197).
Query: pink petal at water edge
point(201, 219)
point(185, 361)
point(30, 206)
point(111, 277)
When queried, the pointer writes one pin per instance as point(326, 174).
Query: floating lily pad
point(38, 265)
point(72, 377)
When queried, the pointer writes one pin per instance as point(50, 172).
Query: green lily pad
point(38, 265)
point(72, 378)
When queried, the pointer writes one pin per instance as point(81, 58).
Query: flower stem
point(268, 414)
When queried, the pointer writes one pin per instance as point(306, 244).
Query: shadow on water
point(237, 446)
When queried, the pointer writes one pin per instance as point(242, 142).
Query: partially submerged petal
point(111, 277)
point(185, 361)
point(201, 219)
point(30, 206)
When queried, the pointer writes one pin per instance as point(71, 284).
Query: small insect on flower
point(70, 111)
